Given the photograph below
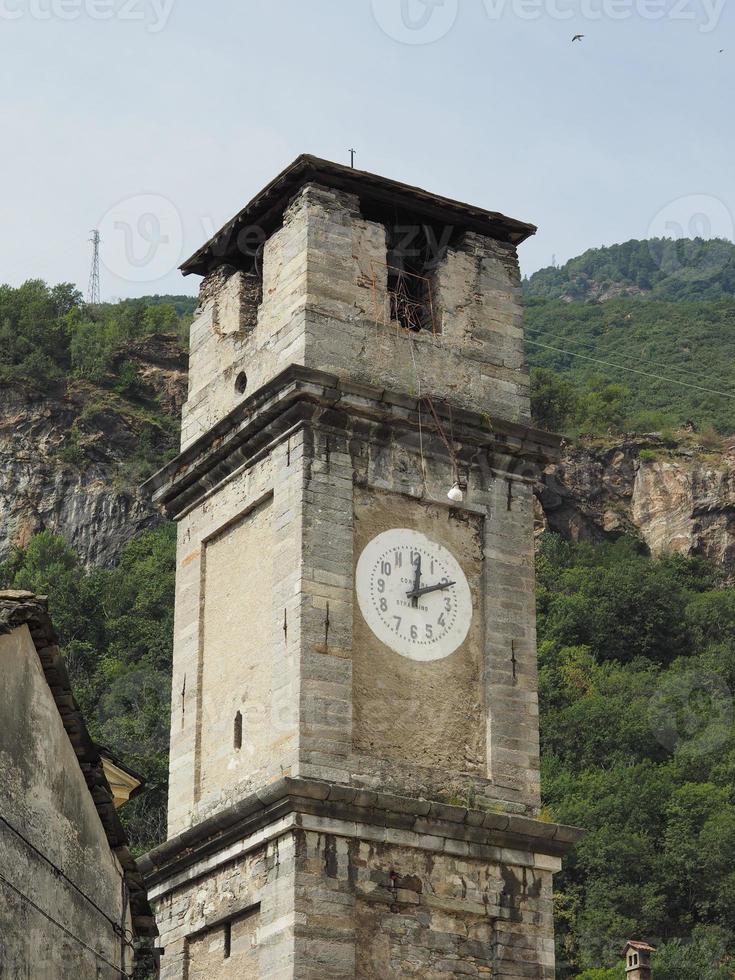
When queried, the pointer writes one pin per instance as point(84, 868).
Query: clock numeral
point(441, 620)
point(381, 585)
point(414, 632)
point(447, 604)
point(385, 568)
point(398, 622)
point(384, 605)
point(429, 631)
point(398, 557)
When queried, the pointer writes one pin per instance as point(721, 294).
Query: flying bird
point(577, 37)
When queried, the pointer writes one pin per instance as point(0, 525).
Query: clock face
point(413, 595)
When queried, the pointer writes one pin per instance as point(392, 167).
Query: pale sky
point(156, 120)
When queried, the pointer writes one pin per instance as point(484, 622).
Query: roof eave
point(267, 207)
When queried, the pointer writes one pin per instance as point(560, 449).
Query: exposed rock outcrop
point(68, 456)
point(676, 498)
point(69, 463)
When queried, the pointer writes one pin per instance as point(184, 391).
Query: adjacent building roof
point(124, 782)
point(641, 947)
point(266, 209)
point(18, 609)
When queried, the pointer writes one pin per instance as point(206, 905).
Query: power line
point(116, 928)
point(638, 356)
point(621, 367)
point(63, 928)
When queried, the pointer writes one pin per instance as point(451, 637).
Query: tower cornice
point(298, 395)
point(436, 826)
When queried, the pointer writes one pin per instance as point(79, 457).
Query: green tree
point(91, 349)
point(703, 957)
point(636, 674)
point(554, 401)
point(115, 628)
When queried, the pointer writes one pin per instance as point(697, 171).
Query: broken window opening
point(415, 250)
point(411, 302)
point(414, 253)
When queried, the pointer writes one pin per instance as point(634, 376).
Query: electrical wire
point(637, 356)
point(621, 367)
point(63, 928)
point(60, 874)
point(421, 428)
point(440, 429)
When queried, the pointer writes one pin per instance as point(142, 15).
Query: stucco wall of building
point(46, 799)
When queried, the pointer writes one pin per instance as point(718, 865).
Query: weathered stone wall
point(506, 718)
point(251, 664)
point(317, 897)
point(251, 892)
point(395, 911)
point(399, 842)
point(45, 797)
point(218, 348)
point(235, 689)
point(325, 305)
point(476, 357)
point(427, 714)
point(226, 950)
point(316, 673)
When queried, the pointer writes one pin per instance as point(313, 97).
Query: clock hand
point(431, 588)
point(416, 583)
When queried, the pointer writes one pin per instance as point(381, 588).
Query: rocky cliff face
point(676, 498)
point(71, 461)
point(71, 458)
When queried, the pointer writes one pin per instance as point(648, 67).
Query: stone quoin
point(354, 775)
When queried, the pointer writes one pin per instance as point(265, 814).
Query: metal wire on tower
point(93, 291)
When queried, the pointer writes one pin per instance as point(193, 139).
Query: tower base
point(313, 880)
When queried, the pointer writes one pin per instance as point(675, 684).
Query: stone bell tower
point(354, 781)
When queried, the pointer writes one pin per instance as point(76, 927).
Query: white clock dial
point(413, 595)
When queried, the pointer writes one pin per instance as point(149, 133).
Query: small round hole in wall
point(241, 383)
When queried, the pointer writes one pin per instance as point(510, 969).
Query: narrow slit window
point(228, 940)
point(237, 734)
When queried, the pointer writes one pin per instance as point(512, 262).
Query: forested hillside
point(49, 335)
point(637, 654)
point(637, 670)
point(116, 631)
point(51, 340)
point(90, 400)
point(642, 335)
point(659, 268)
